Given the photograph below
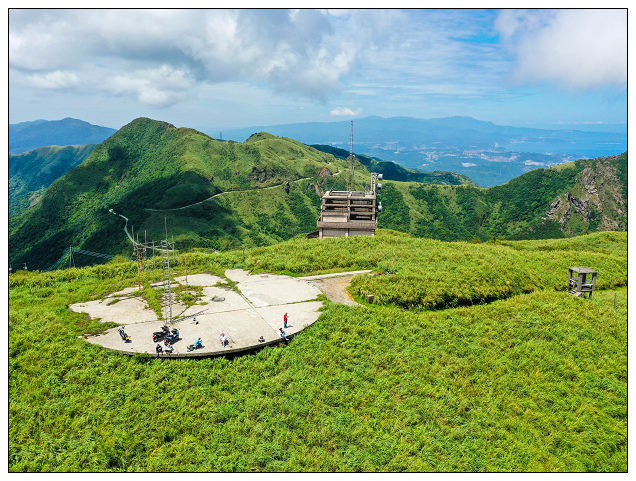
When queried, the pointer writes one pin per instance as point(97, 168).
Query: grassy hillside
point(32, 172)
point(154, 173)
point(226, 195)
point(535, 381)
point(562, 201)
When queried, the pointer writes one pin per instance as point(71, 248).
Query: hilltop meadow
point(473, 358)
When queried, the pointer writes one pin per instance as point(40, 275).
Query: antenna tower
point(168, 254)
point(139, 250)
point(166, 246)
point(351, 161)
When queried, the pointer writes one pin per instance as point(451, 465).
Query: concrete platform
point(256, 310)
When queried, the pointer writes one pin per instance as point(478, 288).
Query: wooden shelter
point(579, 283)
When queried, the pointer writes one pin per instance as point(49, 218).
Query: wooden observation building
point(349, 212)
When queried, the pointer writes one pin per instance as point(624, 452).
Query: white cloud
point(532, 162)
point(580, 49)
point(57, 79)
point(254, 64)
point(346, 111)
point(305, 52)
point(160, 87)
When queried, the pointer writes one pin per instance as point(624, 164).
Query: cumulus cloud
point(580, 49)
point(55, 80)
point(346, 111)
point(302, 52)
point(160, 87)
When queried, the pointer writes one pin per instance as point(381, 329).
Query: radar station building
point(348, 213)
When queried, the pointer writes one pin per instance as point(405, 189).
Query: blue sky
point(223, 69)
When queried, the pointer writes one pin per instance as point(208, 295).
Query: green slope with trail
point(150, 172)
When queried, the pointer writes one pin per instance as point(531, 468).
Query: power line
point(71, 255)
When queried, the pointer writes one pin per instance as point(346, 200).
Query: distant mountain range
point(267, 189)
point(489, 154)
point(26, 136)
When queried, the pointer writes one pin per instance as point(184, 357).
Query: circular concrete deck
point(256, 310)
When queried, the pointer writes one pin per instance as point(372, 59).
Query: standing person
point(285, 321)
point(223, 340)
point(282, 333)
point(159, 349)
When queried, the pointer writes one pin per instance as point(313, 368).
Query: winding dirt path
point(334, 286)
point(229, 192)
point(336, 289)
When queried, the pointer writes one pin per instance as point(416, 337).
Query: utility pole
point(167, 287)
point(186, 269)
point(71, 259)
point(138, 251)
point(351, 161)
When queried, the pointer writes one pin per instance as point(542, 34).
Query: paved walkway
point(256, 310)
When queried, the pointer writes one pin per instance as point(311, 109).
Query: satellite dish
point(380, 176)
point(379, 185)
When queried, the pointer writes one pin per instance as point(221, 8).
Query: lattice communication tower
point(351, 160)
point(168, 253)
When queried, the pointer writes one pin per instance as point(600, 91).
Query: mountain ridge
point(394, 171)
point(68, 131)
point(152, 164)
point(488, 153)
point(156, 175)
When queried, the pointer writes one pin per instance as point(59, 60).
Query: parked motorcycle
point(158, 335)
point(173, 336)
point(124, 337)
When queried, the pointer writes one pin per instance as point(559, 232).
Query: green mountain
point(27, 136)
point(32, 172)
point(393, 171)
point(562, 201)
point(225, 195)
point(209, 193)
